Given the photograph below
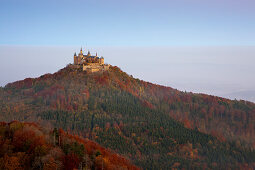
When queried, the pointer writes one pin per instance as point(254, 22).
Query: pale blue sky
point(127, 22)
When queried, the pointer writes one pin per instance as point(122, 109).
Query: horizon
point(209, 70)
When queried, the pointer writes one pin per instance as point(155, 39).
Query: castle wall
point(106, 67)
point(79, 60)
point(75, 60)
point(101, 61)
point(95, 67)
point(90, 63)
point(93, 64)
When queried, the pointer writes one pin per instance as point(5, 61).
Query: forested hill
point(155, 126)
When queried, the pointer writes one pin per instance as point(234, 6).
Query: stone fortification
point(90, 63)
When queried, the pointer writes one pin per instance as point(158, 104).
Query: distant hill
point(29, 146)
point(156, 127)
point(248, 95)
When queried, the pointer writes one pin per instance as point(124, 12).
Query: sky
point(194, 45)
point(127, 23)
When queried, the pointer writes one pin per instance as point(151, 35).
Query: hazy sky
point(195, 45)
point(214, 70)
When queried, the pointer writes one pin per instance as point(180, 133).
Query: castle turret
point(88, 53)
point(75, 61)
point(79, 57)
point(101, 60)
point(81, 51)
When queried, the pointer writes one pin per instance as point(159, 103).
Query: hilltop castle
point(90, 63)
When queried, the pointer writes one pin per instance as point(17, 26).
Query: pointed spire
point(96, 54)
point(75, 54)
point(81, 51)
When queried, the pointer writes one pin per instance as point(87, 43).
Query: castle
point(90, 63)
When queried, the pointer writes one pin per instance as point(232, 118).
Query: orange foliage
point(219, 136)
point(187, 123)
point(71, 161)
point(91, 147)
point(11, 163)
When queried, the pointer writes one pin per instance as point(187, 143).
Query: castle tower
point(75, 61)
point(88, 53)
point(79, 57)
point(101, 60)
point(81, 51)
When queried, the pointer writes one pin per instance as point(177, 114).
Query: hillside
point(28, 146)
point(155, 126)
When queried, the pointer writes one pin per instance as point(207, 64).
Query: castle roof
point(92, 56)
